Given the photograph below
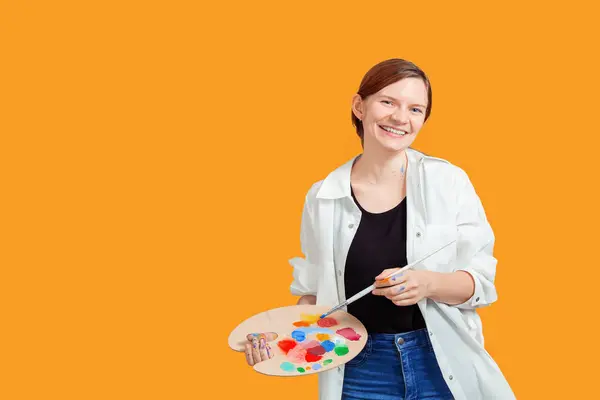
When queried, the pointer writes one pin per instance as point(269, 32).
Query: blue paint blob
point(287, 366)
point(298, 335)
point(316, 367)
point(315, 330)
point(328, 345)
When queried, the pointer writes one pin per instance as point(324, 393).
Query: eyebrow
point(415, 104)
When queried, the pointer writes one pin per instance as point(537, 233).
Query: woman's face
point(393, 116)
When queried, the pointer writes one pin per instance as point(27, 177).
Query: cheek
point(378, 113)
point(417, 124)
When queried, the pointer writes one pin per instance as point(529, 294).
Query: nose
point(400, 115)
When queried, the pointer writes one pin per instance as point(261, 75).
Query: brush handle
point(360, 294)
point(412, 264)
point(372, 287)
point(357, 296)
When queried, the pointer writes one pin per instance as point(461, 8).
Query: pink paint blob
point(297, 355)
point(310, 345)
point(327, 322)
point(348, 333)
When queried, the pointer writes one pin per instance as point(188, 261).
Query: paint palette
point(305, 344)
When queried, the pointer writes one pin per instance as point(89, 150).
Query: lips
point(393, 131)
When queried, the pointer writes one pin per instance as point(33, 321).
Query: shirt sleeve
point(475, 246)
point(305, 269)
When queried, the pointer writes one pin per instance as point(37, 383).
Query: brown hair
point(385, 73)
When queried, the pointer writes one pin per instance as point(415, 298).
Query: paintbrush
point(372, 287)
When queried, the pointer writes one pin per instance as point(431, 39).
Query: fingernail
point(262, 343)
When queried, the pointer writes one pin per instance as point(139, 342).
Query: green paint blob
point(327, 362)
point(300, 369)
point(341, 349)
point(287, 366)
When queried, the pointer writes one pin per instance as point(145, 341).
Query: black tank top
point(379, 243)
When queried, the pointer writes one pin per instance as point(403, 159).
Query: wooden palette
point(324, 347)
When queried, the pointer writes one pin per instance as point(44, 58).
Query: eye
point(418, 110)
point(388, 102)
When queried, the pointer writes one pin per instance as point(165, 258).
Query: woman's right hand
point(258, 348)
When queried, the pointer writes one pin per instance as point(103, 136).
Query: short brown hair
point(385, 73)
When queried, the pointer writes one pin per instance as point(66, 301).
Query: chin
point(395, 144)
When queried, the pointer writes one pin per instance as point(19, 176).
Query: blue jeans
point(395, 366)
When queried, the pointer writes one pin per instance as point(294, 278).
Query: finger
point(394, 288)
point(385, 273)
point(248, 351)
point(407, 302)
point(399, 279)
point(406, 295)
point(391, 280)
point(268, 335)
point(270, 351)
point(393, 291)
point(388, 291)
point(262, 348)
point(255, 351)
point(251, 336)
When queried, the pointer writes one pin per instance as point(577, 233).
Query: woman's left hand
point(406, 288)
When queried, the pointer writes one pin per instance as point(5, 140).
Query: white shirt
point(441, 205)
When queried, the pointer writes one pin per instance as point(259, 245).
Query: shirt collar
point(337, 184)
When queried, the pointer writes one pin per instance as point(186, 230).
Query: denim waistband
point(405, 340)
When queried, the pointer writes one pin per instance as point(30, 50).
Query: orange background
point(155, 157)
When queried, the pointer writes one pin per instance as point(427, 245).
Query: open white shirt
point(442, 205)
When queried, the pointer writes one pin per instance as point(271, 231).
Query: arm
point(305, 270)
point(471, 283)
point(308, 299)
point(475, 257)
point(451, 288)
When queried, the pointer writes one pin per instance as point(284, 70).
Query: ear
point(357, 106)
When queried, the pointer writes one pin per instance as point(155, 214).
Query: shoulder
point(311, 195)
point(438, 168)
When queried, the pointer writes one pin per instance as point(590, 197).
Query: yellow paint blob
point(323, 336)
point(311, 319)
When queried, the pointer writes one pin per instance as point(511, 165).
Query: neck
point(379, 166)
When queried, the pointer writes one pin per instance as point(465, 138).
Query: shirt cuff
point(475, 300)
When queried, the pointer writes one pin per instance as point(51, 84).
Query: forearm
point(451, 288)
point(307, 299)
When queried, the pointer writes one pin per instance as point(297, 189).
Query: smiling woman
point(383, 209)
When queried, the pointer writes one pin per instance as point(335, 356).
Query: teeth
point(392, 130)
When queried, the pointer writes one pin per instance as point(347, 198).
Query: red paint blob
point(326, 322)
point(301, 323)
point(286, 345)
point(312, 357)
point(348, 333)
point(317, 350)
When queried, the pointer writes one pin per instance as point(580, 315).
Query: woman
point(385, 208)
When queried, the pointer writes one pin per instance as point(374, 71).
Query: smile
point(392, 130)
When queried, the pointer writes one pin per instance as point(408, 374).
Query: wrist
point(433, 283)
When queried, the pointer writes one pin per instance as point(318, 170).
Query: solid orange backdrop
point(155, 158)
